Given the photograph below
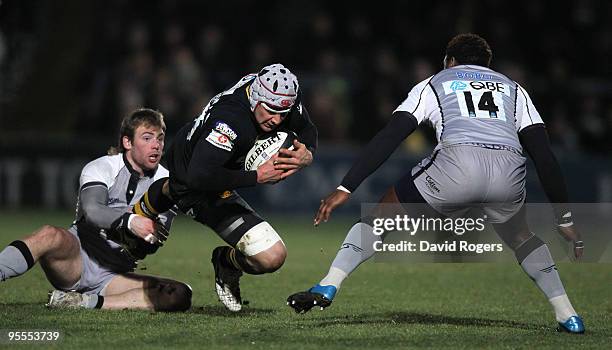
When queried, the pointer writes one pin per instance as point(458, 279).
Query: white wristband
point(129, 224)
point(343, 189)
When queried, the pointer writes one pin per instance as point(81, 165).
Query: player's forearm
point(535, 141)
point(380, 148)
point(93, 202)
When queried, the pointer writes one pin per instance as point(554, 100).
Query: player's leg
point(155, 200)
point(57, 250)
point(134, 291)
point(254, 247)
point(535, 259)
point(357, 247)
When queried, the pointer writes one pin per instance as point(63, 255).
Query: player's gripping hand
point(145, 228)
point(266, 173)
point(331, 202)
point(567, 229)
point(290, 161)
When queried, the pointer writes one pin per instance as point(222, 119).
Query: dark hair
point(469, 49)
point(129, 124)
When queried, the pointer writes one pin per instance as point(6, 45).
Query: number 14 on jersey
point(478, 99)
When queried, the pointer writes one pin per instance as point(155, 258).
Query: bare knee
point(271, 259)
point(49, 239)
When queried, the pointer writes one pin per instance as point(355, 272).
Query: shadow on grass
point(427, 319)
point(219, 310)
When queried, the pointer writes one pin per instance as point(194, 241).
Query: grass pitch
point(382, 306)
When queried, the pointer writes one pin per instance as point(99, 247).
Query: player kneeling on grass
point(207, 164)
point(91, 263)
point(487, 120)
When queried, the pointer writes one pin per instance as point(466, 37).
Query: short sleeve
point(421, 101)
point(101, 172)
point(526, 113)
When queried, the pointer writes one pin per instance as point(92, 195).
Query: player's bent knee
point(272, 259)
point(179, 298)
point(52, 236)
point(263, 247)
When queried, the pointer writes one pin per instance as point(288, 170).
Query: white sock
point(356, 248)
point(334, 277)
point(563, 308)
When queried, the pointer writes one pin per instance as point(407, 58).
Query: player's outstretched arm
point(380, 148)
point(535, 141)
point(331, 202)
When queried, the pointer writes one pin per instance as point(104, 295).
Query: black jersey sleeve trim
point(534, 139)
point(93, 184)
point(439, 107)
point(380, 148)
point(421, 95)
point(526, 103)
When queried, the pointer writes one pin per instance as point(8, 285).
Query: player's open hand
point(292, 161)
point(573, 237)
point(331, 202)
point(266, 173)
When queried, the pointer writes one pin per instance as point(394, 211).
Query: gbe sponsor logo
point(458, 85)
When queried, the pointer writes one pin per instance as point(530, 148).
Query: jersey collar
point(128, 165)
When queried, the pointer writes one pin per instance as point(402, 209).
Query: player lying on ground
point(206, 166)
point(483, 121)
point(91, 263)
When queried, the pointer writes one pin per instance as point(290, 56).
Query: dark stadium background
point(69, 71)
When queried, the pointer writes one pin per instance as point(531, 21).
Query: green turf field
point(389, 305)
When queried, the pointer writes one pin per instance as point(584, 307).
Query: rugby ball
point(266, 146)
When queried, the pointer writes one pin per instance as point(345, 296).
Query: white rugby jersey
point(469, 104)
point(125, 187)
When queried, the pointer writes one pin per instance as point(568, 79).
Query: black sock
point(25, 251)
point(100, 302)
point(154, 201)
point(232, 258)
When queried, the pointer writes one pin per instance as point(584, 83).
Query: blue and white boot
point(318, 295)
point(573, 325)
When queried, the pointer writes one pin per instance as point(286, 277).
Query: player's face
point(268, 120)
point(145, 150)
